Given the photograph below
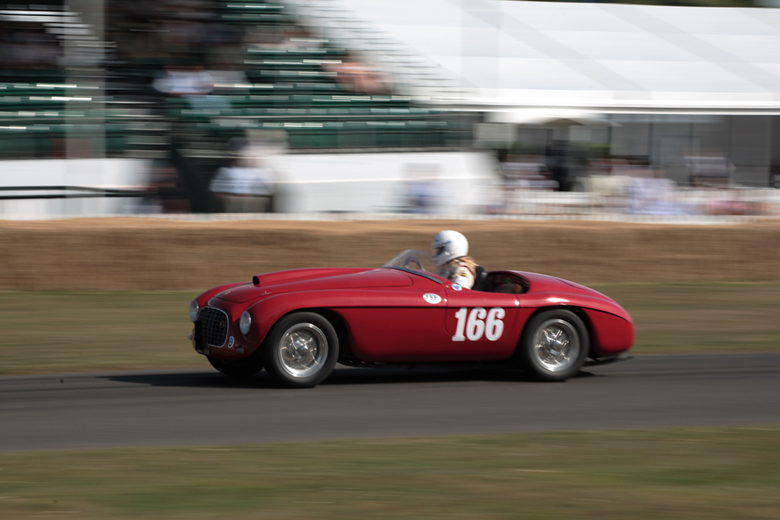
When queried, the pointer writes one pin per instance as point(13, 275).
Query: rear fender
point(581, 314)
point(572, 300)
point(609, 334)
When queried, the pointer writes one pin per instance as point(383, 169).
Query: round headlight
point(194, 308)
point(245, 323)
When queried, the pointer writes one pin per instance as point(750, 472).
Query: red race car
point(298, 324)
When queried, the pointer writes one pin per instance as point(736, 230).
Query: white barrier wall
point(90, 173)
point(454, 184)
point(449, 182)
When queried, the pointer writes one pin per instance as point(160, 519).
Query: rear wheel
point(301, 350)
point(238, 367)
point(554, 346)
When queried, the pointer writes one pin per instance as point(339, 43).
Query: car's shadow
point(340, 376)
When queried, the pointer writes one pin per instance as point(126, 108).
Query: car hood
point(315, 280)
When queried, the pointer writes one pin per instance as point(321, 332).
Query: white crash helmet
point(448, 245)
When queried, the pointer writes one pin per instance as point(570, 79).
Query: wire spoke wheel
point(303, 350)
point(556, 345)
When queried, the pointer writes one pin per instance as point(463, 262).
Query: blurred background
point(261, 127)
point(446, 107)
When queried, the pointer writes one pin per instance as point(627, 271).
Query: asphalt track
point(202, 407)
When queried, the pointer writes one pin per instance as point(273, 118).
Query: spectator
point(243, 187)
point(357, 76)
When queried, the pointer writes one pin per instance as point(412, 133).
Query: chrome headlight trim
point(245, 323)
point(194, 310)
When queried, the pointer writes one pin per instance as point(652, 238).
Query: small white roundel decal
point(431, 298)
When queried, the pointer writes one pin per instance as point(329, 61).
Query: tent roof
point(601, 57)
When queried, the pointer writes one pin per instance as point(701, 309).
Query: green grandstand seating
point(35, 118)
point(288, 88)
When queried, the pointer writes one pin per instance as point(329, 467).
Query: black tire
point(301, 350)
point(238, 367)
point(554, 345)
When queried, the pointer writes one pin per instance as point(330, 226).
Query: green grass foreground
point(675, 473)
point(70, 331)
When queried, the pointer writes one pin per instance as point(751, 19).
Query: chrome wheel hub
point(303, 349)
point(556, 345)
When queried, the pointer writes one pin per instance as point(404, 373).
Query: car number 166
point(475, 325)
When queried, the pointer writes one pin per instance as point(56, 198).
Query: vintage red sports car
point(298, 324)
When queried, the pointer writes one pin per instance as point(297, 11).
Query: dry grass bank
point(139, 254)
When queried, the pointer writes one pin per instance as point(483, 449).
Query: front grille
point(214, 326)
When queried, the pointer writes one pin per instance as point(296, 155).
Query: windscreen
point(414, 260)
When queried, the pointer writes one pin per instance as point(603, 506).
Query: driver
point(449, 255)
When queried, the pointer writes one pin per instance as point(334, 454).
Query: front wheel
point(554, 345)
point(238, 367)
point(301, 350)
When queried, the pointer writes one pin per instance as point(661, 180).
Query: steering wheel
point(411, 261)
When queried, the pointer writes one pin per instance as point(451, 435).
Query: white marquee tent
point(579, 55)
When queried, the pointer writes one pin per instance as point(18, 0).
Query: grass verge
point(677, 473)
point(95, 331)
point(80, 331)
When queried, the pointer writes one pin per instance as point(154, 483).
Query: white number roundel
point(432, 298)
point(474, 325)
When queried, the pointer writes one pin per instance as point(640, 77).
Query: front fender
point(271, 309)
